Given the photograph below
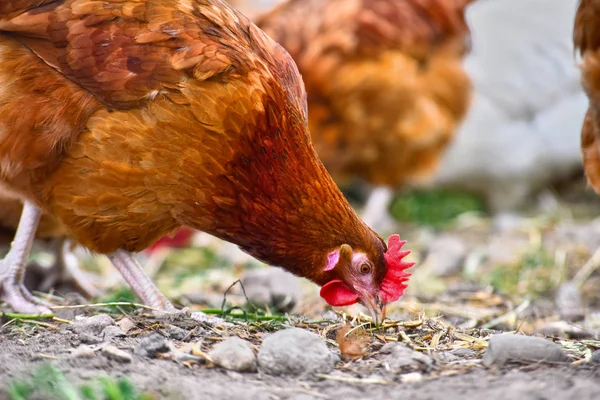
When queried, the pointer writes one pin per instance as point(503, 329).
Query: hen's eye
point(365, 268)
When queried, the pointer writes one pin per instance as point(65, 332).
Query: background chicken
point(385, 83)
point(169, 115)
point(587, 41)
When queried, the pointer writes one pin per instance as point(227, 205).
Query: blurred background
point(462, 138)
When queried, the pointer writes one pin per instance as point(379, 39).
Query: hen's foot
point(65, 272)
point(376, 211)
point(12, 290)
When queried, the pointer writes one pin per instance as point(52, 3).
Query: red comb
point(394, 281)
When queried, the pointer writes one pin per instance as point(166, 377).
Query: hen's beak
point(376, 307)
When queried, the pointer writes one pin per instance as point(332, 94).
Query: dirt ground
point(534, 273)
point(22, 350)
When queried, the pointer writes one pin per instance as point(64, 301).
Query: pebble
point(569, 302)
point(88, 338)
point(273, 287)
point(508, 347)
point(234, 354)
point(111, 332)
point(411, 377)
point(126, 324)
point(92, 325)
point(595, 357)
point(116, 354)
point(295, 352)
point(446, 255)
point(175, 332)
point(398, 356)
point(83, 351)
point(565, 330)
point(152, 345)
point(464, 353)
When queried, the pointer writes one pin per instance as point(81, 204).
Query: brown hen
point(146, 115)
point(385, 82)
point(587, 41)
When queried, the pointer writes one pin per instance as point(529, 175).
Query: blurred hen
point(385, 82)
point(587, 40)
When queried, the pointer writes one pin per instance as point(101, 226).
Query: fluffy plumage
point(149, 115)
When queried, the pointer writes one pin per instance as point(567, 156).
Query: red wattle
point(337, 293)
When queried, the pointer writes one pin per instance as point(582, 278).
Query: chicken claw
point(139, 281)
point(146, 290)
point(14, 265)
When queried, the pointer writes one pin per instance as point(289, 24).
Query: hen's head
point(372, 277)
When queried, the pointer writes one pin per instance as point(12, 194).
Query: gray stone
point(464, 353)
point(175, 332)
point(565, 330)
point(446, 255)
point(92, 325)
point(595, 357)
point(234, 354)
point(508, 347)
point(152, 345)
point(399, 357)
point(111, 332)
point(272, 286)
point(83, 351)
point(295, 352)
point(116, 354)
point(88, 338)
point(569, 302)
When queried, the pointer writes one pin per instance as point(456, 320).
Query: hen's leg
point(376, 213)
point(14, 264)
point(145, 289)
point(66, 270)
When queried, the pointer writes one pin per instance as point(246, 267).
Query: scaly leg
point(145, 289)
point(66, 270)
point(11, 280)
point(375, 213)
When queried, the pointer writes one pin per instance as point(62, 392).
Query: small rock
point(507, 221)
point(565, 330)
point(595, 357)
point(330, 316)
point(464, 353)
point(116, 354)
point(93, 325)
point(234, 354)
point(175, 332)
point(446, 255)
point(152, 345)
point(111, 332)
point(569, 302)
point(507, 347)
point(399, 356)
point(88, 338)
point(126, 324)
point(272, 286)
point(411, 377)
point(83, 351)
point(447, 357)
point(295, 352)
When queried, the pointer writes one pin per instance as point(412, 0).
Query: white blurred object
point(523, 128)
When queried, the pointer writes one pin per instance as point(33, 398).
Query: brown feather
point(154, 114)
point(385, 81)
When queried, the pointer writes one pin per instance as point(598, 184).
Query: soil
point(25, 348)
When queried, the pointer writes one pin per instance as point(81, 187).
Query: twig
point(26, 316)
point(511, 314)
point(112, 304)
point(353, 380)
point(588, 269)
